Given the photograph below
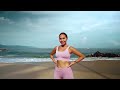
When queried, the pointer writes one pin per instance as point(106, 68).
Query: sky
point(85, 29)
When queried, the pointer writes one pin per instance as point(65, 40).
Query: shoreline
point(99, 69)
point(39, 60)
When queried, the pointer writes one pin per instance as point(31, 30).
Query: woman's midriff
point(62, 63)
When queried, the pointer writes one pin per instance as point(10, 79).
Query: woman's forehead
point(62, 35)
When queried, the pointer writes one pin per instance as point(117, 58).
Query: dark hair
point(64, 34)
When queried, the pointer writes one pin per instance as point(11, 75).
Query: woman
point(62, 61)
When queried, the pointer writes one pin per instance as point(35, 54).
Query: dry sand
point(101, 69)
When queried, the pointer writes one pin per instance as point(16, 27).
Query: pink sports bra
point(63, 55)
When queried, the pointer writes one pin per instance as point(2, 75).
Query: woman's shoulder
point(56, 47)
point(72, 48)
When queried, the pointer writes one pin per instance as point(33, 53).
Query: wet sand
point(101, 69)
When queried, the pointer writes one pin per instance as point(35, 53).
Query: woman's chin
point(62, 44)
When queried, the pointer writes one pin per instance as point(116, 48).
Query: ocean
point(42, 55)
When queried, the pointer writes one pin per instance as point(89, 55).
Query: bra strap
point(68, 47)
point(57, 48)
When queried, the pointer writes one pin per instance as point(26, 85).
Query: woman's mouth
point(62, 42)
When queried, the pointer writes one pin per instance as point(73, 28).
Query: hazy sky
point(85, 29)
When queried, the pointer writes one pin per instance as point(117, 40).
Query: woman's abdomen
point(62, 63)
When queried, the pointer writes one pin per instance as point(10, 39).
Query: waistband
point(62, 68)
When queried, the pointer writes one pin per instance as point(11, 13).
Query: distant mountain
point(19, 48)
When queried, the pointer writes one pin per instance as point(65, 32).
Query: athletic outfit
point(65, 73)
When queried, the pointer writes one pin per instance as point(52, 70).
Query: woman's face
point(62, 39)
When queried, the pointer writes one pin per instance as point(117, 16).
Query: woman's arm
point(51, 55)
point(79, 54)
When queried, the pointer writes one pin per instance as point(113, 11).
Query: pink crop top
point(63, 55)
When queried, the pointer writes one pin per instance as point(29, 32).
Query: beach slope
point(100, 69)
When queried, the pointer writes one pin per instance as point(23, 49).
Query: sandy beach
point(100, 69)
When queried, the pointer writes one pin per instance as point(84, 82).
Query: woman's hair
point(64, 34)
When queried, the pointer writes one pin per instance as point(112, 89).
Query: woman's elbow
point(51, 55)
point(83, 56)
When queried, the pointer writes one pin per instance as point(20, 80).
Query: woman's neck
point(63, 45)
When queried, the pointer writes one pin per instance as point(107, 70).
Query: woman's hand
point(71, 63)
point(55, 61)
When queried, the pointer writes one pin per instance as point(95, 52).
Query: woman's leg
point(57, 74)
point(68, 73)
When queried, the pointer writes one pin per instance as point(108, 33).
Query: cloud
point(44, 12)
point(83, 40)
point(5, 20)
point(115, 43)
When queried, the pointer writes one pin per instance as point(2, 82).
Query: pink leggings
point(63, 73)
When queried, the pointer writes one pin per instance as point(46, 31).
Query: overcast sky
point(85, 29)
